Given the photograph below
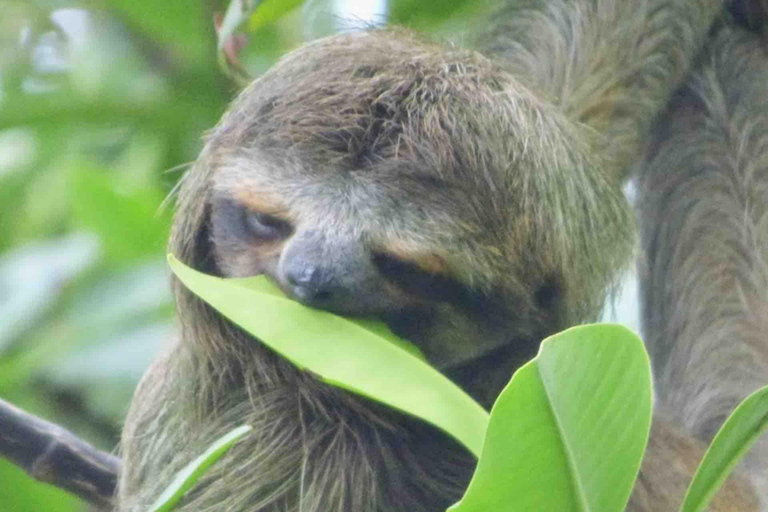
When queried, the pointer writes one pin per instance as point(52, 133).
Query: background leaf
point(128, 222)
point(269, 11)
point(739, 432)
point(569, 431)
point(419, 13)
point(180, 25)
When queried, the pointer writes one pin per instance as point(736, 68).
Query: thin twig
point(52, 454)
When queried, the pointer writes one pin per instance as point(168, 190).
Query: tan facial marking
point(427, 261)
point(262, 202)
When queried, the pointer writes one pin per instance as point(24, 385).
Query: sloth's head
point(384, 176)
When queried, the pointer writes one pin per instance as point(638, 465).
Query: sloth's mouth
point(445, 344)
point(411, 324)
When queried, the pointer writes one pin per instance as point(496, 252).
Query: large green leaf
point(569, 431)
point(362, 357)
point(736, 436)
point(188, 476)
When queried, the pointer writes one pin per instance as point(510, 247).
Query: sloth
point(702, 196)
point(469, 198)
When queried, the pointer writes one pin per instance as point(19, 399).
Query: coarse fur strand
point(609, 64)
point(703, 203)
point(514, 162)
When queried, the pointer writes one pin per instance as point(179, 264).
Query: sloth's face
point(402, 247)
point(372, 175)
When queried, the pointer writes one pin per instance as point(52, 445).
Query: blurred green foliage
point(102, 106)
point(97, 102)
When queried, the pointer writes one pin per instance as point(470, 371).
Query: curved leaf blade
point(737, 435)
point(569, 431)
point(343, 352)
point(188, 476)
point(269, 11)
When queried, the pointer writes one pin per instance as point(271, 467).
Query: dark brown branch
point(52, 454)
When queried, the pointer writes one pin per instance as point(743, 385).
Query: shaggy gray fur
point(703, 200)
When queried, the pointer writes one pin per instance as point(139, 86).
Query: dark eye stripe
point(265, 226)
point(417, 281)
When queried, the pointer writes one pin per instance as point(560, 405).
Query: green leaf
point(128, 224)
point(342, 352)
point(261, 17)
point(416, 12)
point(270, 11)
point(179, 25)
point(188, 476)
point(739, 432)
point(569, 431)
point(236, 14)
point(258, 14)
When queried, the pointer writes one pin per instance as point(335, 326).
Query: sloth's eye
point(415, 280)
point(267, 227)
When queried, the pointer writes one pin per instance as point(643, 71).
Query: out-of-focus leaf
point(106, 374)
point(269, 11)
point(137, 166)
point(237, 13)
point(739, 432)
point(46, 205)
point(17, 150)
point(228, 46)
point(94, 311)
point(188, 476)
point(100, 61)
point(63, 111)
point(267, 36)
point(257, 14)
point(13, 189)
point(343, 352)
point(129, 225)
point(569, 431)
point(410, 12)
point(264, 48)
point(179, 25)
point(123, 297)
point(32, 275)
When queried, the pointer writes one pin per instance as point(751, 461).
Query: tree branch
point(52, 454)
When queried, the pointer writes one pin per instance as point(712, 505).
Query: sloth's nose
point(310, 284)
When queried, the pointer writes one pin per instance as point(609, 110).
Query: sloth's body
point(471, 201)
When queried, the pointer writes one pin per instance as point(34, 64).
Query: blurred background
point(103, 105)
